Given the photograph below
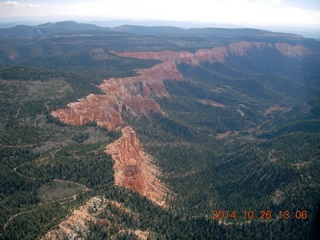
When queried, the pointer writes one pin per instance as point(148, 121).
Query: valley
point(134, 94)
point(119, 134)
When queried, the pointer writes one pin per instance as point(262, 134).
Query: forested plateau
point(158, 133)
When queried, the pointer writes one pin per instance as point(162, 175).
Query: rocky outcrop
point(171, 58)
point(134, 168)
point(103, 109)
point(212, 103)
point(219, 54)
point(133, 94)
point(292, 51)
point(285, 49)
point(76, 225)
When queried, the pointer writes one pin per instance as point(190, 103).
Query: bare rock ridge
point(76, 225)
point(103, 109)
point(133, 167)
point(219, 54)
point(135, 93)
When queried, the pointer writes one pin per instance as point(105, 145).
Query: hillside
point(24, 31)
point(159, 133)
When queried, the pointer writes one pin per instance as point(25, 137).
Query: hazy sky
point(243, 12)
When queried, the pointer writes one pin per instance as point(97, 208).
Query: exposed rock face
point(76, 225)
point(212, 103)
point(219, 54)
point(103, 109)
point(135, 93)
point(130, 93)
point(292, 51)
point(133, 167)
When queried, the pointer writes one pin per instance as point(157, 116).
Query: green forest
point(258, 153)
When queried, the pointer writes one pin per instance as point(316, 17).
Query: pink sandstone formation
point(133, 167)
point(219, 54)
point(291, 51)
point(103, 109)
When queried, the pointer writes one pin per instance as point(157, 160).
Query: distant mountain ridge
point(24, 31)
point(55, 39)
point(204, 32)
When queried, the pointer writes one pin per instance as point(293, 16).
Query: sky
point(237, 12)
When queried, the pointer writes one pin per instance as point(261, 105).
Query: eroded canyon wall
point(133, 167)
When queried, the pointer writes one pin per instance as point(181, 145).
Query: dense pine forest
point(238, 144)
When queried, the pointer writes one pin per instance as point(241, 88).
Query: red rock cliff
point(103, 109)
point(135, 93)
point(133, 167)
point(219, 54)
